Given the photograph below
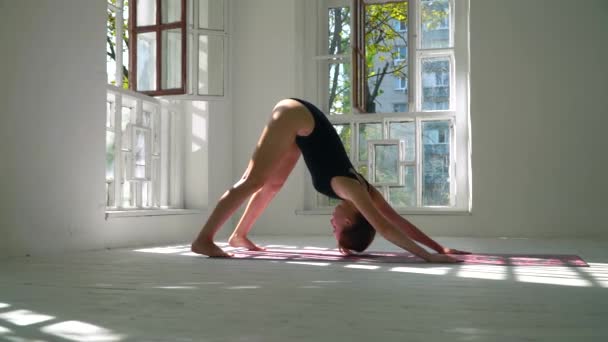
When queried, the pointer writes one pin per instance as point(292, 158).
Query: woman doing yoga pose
point(297, 128)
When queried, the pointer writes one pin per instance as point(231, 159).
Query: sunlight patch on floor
point(549, 275)
point(308, 263)
point(242, 287)
point(67, 330)
point(422, 270)
point(362, 267)
point(164, 250)
point(599, 272)
point(81, 331)
point(316, 248)
point(483, 272)
point(24, 317)
point(281, 246)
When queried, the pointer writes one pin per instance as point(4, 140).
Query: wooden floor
point(167, 294)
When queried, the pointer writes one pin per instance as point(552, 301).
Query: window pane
point(211, 65)
point(406, 131)
point(156, 181)
point(126, 117)
point(109, 194)
point(127, 166)
point(436, 138)
point(386, 53)
point(146, 118)
point(146, 12)
point(386, 159)
point(339, 88)
point(109, 114)
point(368, 131)
point(435, 24)
point(400, 107)
point(404, 196)
point(128, 188)
point(156, 133)
point(140, 150)
point(171, 11)
point(126, 127)
point(339, 30)
point(128, 195)
point(333, 201)
point(211, 14)
point(145, 195)
point(362, 169)
point(110, 145)
point(111, 47)
point(172, 59)
point(435, 83)
point(125, 46)
point(345, 133)
point(146, 61)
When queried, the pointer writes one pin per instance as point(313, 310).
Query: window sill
point(110, 214)
point(429, 212)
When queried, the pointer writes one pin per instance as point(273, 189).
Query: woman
point(298, 127)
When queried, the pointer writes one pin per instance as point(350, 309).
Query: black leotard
point(324, 153)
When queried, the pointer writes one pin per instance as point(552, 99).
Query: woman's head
point(351, 229)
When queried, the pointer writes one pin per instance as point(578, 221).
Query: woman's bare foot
point(209, 249)
point(241, 241)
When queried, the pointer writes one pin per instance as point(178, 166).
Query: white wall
point(538, 80)
point(52, 135)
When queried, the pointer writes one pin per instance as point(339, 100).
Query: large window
point(173, 48)
point(394, 78)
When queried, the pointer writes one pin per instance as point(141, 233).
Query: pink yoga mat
point(407, 258)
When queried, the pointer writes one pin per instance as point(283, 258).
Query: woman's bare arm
point(353, 191)
point(406, 226)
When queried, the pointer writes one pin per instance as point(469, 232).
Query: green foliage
point(381, 40)
point(339, 43)
point(434, 13)
point(111, 39)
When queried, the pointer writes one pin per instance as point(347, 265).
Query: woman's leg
point(260, 200)
point(289, 118)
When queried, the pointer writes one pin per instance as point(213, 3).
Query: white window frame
point(194, 32)
point(371, 160)
point(166, 179)
point(457, 115)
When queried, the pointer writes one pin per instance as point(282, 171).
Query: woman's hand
point(442, 259)
point(452, 251)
